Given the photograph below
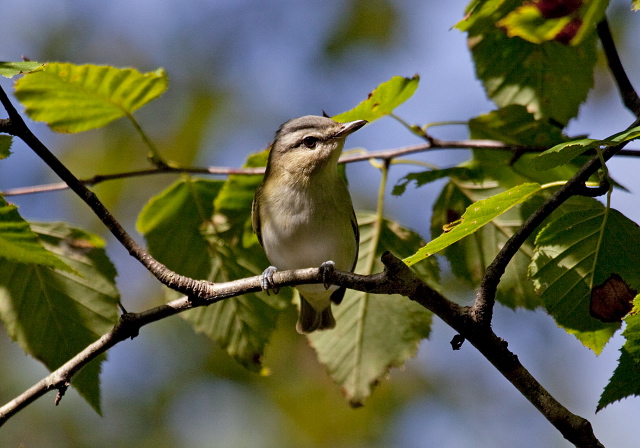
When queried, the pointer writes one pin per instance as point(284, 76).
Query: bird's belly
point(300, 245)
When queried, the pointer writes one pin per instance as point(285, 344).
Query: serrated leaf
point(173, 224)
point(76, 98)
point(626, 377)
point(515, 125)
point(477, 215)
point(54, 314)
point(470, 257)
point(18, 243)
point(550, 79)
point(563, 266)
point(11, 69)
point(241, 325)
point(383, 100)
point(5, 146)
point(373, 333)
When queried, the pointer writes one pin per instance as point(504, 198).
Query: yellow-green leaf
point(76, 98)
point(477, 215)
point(10, 69)
point(383, 100)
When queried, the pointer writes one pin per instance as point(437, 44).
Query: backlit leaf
point(374, 333)
point(76, 98)
point(477, 215)
point(383, 100)
point(5, 146)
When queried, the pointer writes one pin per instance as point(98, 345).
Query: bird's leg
point(266, 280)
point(327, 268)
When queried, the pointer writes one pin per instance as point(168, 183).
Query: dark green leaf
point(5, 146)
point(19, 244)
point(54, 314)
point(550, 79)
point(515, 125)
point(425, 177)
point(563, 153)
point(374, 333)
point(626, 378)
point(563, 267)
point(76, 98)
point(383, 100)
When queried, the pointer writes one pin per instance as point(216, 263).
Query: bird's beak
point(348, 128)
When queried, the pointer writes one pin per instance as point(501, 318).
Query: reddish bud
point(569, 31)
point(554, 9)
point(612, 300)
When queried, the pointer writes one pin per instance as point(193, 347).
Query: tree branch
point(482, 309)
point(396, 278)
point(627, 92)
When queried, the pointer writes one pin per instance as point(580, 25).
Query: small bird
point(303, 215)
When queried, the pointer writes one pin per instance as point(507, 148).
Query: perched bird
point(303, 215)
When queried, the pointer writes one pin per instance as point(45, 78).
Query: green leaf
point(171, 221)
point(425, 177)
point(383, 100)
point(182, 213)
point(10, 69)
point(635, 5)
point(374, 333)
point(5, 146)
point(241, 325)
point(563, 153)
point(550, 79)
point(76, 98)
point(626, 378)
point(19, 244)
point(470, 257)
point(515, 125)
point(54, 314)
point(477, 215)
point(563, 268)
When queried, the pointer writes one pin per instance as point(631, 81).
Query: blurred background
point(238, 69)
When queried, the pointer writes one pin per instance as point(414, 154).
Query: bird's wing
point(255, 215)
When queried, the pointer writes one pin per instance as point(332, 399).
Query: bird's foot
point(266, 280)
point(326, 269)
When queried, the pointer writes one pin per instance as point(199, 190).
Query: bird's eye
point(310, 142)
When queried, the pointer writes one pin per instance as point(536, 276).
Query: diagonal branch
point(482, 309)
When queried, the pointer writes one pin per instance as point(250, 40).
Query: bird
point(302, 212)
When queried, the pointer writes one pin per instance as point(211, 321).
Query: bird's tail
point(311, 319)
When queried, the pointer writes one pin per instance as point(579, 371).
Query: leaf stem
point(154, 155)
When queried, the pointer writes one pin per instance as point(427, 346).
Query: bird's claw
point(327, 268)
point(266, 280)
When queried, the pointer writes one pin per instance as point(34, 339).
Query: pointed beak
point(349, 128)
